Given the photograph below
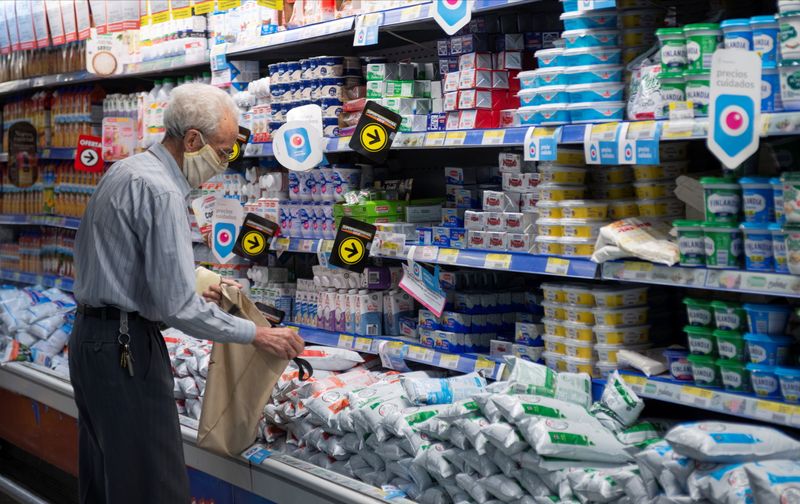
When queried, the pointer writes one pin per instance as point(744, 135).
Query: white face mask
point(200, 166)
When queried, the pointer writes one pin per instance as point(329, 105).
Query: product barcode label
point(493, 137)
point(449, 361)
point(448, 256)
point(455, 138)
point(557, 266)
point(363, 345)
point(345, 341)
point(497, 261)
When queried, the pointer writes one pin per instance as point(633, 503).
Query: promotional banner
point(22, 161)
point(228, 214)
point(298, 146)
point(452, 15)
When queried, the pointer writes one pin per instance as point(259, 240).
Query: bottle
point(161, 105)
point(149, 112)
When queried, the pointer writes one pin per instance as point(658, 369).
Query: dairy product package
point(575, 441)
point(442, 390)
point(619, 406)
point(728, 443)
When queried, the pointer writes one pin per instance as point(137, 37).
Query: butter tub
point(596, 112)
point(592, 93)
point(582, 56)
point(592, 74)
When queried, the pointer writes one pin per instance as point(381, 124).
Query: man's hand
point(214, 292)
point(282, 342)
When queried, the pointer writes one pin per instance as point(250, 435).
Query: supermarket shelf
point(62, 283)
point(308, 245)
point(49, 153)
point(745, 406)
point(40, 220)
point(462, 363)
point(142, 69)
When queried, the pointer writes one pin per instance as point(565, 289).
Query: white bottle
point(150, 105)
point(161, 105)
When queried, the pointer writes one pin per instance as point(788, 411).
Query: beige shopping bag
point(240, 382)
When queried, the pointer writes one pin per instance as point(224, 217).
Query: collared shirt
point(133, 250)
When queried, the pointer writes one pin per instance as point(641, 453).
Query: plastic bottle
point(149, 113)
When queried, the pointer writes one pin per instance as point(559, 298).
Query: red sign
point(89, 156)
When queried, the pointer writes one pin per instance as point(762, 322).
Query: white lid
point(551, 106)
point(546, 221)
point(556, 185)
point(557, 168)
point(547, 239)
point(579, 325)
point(592, 13)
point(601, 309)
point(553, 304)
point(526, 74)
point(546, 203)
point(597, 86)
point(590, 50)
point(553, 51)
point(549, 70)
point(626, 201)
point(571, 240)
point(578, 360)
point(594, 68)
point(542, 89)
point(578, 343)
point(582, 203)
point(622, 346)
point(587, 32)
point(596, 105)
point(585, 222)
point(610, 328)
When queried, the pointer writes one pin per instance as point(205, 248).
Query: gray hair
point(198, 106)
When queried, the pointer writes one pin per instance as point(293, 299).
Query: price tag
point(636, 381)
point(485, 365)
point(497, 261)
point(449, 361)
point(435, 139)
point(326, 246)
point(774, 412)
point(696, 396)
point(493, 137)
point(601, 143)
point(637, 270)
point(540, 144)
point(427, 253)
point(448, 256)
point(367, 29)
point(455, 138)
point(557, 266)
point(420, 353)
point(678, 129)
point(281, 243)
point(641, 144)
point(411, 14)
point(345, 341)
point(343, 144)
point(363, 345)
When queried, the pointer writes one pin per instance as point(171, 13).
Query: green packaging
point(723, 245)
point(700, 340)
point(691, 243)
point(734, 376)
point(729, 316)
point(730, 345)
point(705, 371)
point(723, 200)
point(699, 312)
point(702, 39)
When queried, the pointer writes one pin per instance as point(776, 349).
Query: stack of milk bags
point(40, 321)
point(189, 358)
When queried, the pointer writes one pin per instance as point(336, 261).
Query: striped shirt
point(133, 250)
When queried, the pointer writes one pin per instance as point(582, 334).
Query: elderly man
point(135, 268)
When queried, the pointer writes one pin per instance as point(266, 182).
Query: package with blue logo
point(422, 391)
point(427, 320)
point(774, 481)
point(729, 443)
point(456, 322)
point(529, 334)
point(448, 341)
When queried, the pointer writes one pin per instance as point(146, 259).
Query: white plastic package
point(532, 483)
point(721, 484)
point(516, 408)
point(646, 239)
point(774, 480)
point(505, 438)
point(646, 365)
point(541, 378)
point(575, 388)
point(331, 358)
point(619, 406)
point(507, 465)
point(659, 461)
point(442, 390)
point(728, 443)
point(481, 464)
point(576, 441)
point(503, 487)
point(45, 327)
point(473, 487)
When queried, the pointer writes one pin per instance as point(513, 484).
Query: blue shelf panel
point(58, 153)
point(307, 245)
point(40, 220)
point(62, 283)
point(297, 35)
point(490, 367)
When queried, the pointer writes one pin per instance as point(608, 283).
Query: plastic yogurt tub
point(765, 37)
point(610, 192)
point(730, 345)
point(691, 243)
point(552, 361)
point(585, 56)
point(581, 314)
point(771, 100)
point(764, 380)
point(593, 74)
point(654, 189)
point(779, 248)
point(577, 247)
point(592, 93)
point(578, 295)
point(582, 209)
point(527, 79)
point(678, 361)
point(560, 192)
point(554, 327)
point(553, 344)
point(622, 209)
point(790, 384)
point(766, 349)
point(553, 57)
point(587, 20)
point(621, 316)
point(698, 89)
point(548, 245)
point(596, 111)
point(777, 196)
point(582, 228)
point(614, 335)
point(673, 48)
point(550, 76)
point(735, 377)
point(558, 174)
point(790, 83)
point(791, 196)
point(555, 115)
point(702, 39)
point(579, 331)
point(705, 371)
point(621, 174)
point(549, 227)
point(757, 199)
point(608, 353)
point(729, 316)
point(737, 34)
point(767, 318)
point(580, 349)
point(554, 311)
point(619, 297)
point(723, 200)
point(549, 209)
point(673, 89)
point(544, 95)
point(554, 293)
point(578, 365)
point(758, 249)
point(700, 340)
point(789, 35)
point(590, 38)
point(699, 312)
point(662, 207)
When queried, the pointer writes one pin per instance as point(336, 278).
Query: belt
point(106, 313)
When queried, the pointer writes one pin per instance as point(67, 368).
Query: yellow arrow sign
point(253, 243)
point(373, 137)
point(351, 250)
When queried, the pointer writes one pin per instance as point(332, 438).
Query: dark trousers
point(130, 447)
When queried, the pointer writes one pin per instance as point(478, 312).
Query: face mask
point(200, 166)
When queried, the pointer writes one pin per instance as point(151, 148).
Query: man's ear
point(191, 141)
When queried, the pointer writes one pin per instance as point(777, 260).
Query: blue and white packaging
point(479, 323)
point(779, 248)
point(528, 334)
point(427, 320)
point(453, 217)
point(771, 100)
point(397, 304)
point(730, 443)
point(448, 341)
point(466, 302)
point(369, 316)
point(456, 322)
point(408, 327)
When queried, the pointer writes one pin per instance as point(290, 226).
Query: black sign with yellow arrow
point(350, 246)
point(375, 132)
point(254, 239)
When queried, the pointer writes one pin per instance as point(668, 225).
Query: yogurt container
point(723, 200)
point(701, 340)
point(758, 248)
point(621, 316)
point(549, 227)
point(699, 312)
point(691, 244)
point(581, 314)
point(673, 48)
point(679, 367)
point(779, 248)
point(550, 76)
point(767, 318)
point(737, 34)
point(621, 174)
point(723, 245)
point(554, 115)
point(579, 295)
point(735, 377)
point(654, 189)
point(789, 35)
point(604, 369)
point(554, 327)
point(577, 247)
point(591, 93)
point(661, 207)
point(698, 90)
point(593, 74)
point(527, 79)
point(570, 157)
point(766, 349)
point(579, 349)
point(791, 196)
point(777, 196)
point(729, 316)
point(673, 89)
point(619, 297)
point(771, 88)
point(578, 365)
point(705, 371)
point(558, 174)
point(764, 380)
point(545, 95)
point(590, 38)
point(702, 39)
point(559, 192)
point(765, 37)
point(582, 209)
point(554, 293)
point(579, 331)
point(589, 19)
point(790, 83)
point(610, 192)
point(555, 311)
point(583, 56)
point(548, 245)
point(582, 228)
point(553, 57)
point(608, 353)
point(757, 199)
point(615, 335)
point(622, 209)
point(549, 209)
point(730, 345)
point(553, 361)
point(554, 344)
point(790, 384)
point(596, 111)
